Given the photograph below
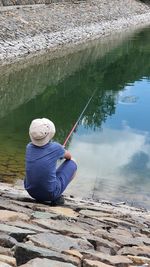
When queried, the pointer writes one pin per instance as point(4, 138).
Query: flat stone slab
point(5, 251)
point(139, 260)
point(116, 260)
point(43, 215)
point(146, 231)
point(25, 252)
point(64, 211)
point(103, 245)
point(90, 263)
point(7, 215)
point(37, 262)
point(62, 226)
point(115, 221)
point(67, 212)
point(7, 241)
point(8, 260)
point(73, 252)
point(16, 232)
point(28, 226)
point(7, 204)
point(94, 213)
point(59, 242)
point(126, 240)
point(3, 264)
point(120, 231)
point(143, 251)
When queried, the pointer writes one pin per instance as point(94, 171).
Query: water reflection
point(120, 151)
point(120, 159)
point(111, 143)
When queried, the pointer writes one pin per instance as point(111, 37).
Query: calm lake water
point(112, 141)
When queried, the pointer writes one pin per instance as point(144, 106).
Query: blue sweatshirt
point(41, 181)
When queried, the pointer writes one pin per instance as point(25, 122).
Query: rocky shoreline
point(32, 30)
point(81, 233)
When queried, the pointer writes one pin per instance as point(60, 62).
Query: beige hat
point(41, 131)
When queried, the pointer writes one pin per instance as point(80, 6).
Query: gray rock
point(6, 251)
point(143, 239)
point(18, 233)
point(123, 240)
point(8, 259)
point(94, 213)
point(91, 263)
point(37, 262)
point(3, 264)
point(25, 252)
point(120, 231)
point(8, 205)
point(140, 260)
point(103, 245)
point(63, 227)
point(91, 224)
point(28, 226)
point(7, 215)
point(117, 260)
point(43, 215)
point(49, 212)
point(143, 251)
point(146, 232)
point(59, 242)
point(115, 222)
point(7, 241)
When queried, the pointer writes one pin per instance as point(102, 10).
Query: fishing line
point(75, 125)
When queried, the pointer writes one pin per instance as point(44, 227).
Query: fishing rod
point(76, 123)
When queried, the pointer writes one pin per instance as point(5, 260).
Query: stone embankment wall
point(30, 29)
point(30, 2)
point(80, 233)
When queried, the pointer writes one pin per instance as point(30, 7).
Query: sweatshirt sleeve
point(60, 151)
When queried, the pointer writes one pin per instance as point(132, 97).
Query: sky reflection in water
point(115, 160)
